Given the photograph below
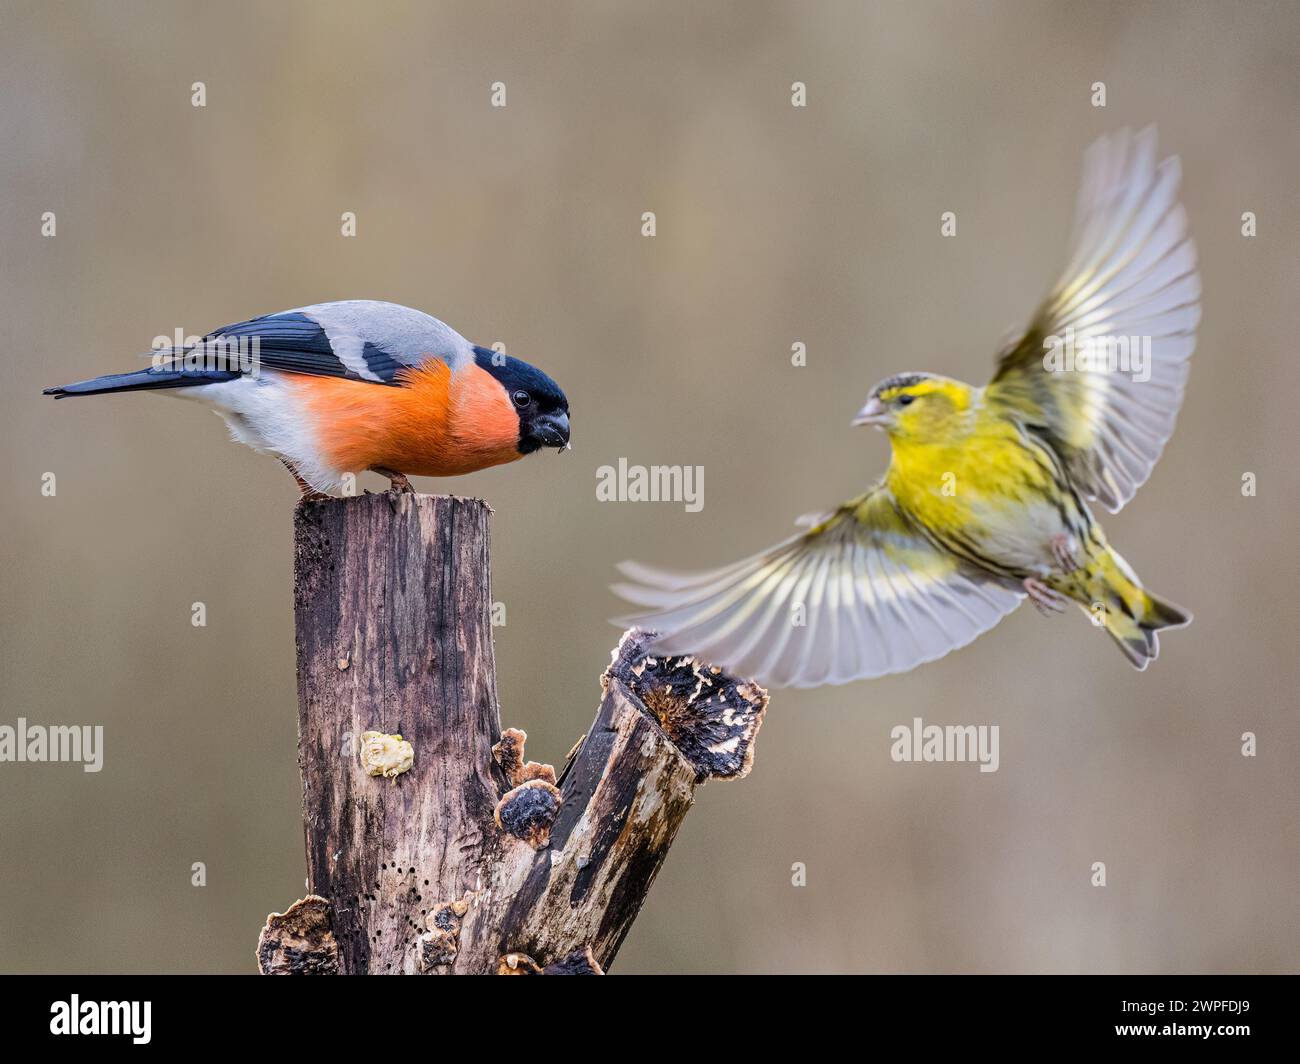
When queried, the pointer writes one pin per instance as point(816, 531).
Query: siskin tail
point(1130, 613)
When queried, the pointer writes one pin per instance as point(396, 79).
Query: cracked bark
point(472, 858)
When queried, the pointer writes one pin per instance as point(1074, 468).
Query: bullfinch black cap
point(541, 404)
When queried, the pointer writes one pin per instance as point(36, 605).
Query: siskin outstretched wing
point(861, 594)
point(1130, 295)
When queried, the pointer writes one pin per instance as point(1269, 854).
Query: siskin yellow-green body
point(971, 475)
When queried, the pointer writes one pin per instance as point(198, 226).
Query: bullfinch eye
point(904, 400)
point(521, 398)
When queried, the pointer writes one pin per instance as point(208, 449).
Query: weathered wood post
point(453, 854)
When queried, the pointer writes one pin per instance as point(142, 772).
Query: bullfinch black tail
point(141, 381)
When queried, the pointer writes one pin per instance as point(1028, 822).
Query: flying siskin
point(986, 498)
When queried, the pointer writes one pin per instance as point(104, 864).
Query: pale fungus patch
point(386, 755)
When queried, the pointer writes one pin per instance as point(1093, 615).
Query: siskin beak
point(874, 413)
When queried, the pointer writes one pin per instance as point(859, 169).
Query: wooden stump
point(435, 847)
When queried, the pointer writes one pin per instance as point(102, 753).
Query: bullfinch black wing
point(359, 339)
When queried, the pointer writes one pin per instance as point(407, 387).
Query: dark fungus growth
point(528, 811)
point(299, 941)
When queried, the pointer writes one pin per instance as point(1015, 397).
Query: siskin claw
point(1045, 600)
point(1065, 549)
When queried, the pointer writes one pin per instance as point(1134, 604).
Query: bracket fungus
point(579, 962)
point(299, 941)
point(528, 811)
point(509, 754)
point(441, 942)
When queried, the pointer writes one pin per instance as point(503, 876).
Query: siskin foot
point(1065, 549)
point(1045, 600)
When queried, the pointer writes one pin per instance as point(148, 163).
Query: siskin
point(985, 500)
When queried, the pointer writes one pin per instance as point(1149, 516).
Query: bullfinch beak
point(551, 430)
point(874, 413)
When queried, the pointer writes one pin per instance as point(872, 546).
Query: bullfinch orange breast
point(359, 384)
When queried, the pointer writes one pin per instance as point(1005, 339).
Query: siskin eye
point(904, 400)
point(522, 398)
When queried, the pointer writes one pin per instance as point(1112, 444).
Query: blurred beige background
point(775, 225)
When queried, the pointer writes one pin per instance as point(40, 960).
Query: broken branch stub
point(711, 717)
point(623, 796)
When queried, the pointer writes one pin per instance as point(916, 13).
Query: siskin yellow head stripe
point(954, 391)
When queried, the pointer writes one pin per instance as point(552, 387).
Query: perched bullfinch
point(986, 496)
point(359, 384)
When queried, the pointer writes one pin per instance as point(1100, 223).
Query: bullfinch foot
point(309, 494)
point(397, 482)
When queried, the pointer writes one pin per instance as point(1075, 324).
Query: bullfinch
point(359, 384)
point(988, 496)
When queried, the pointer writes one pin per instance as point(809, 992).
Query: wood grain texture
point(392, 601)
point(473, 860)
